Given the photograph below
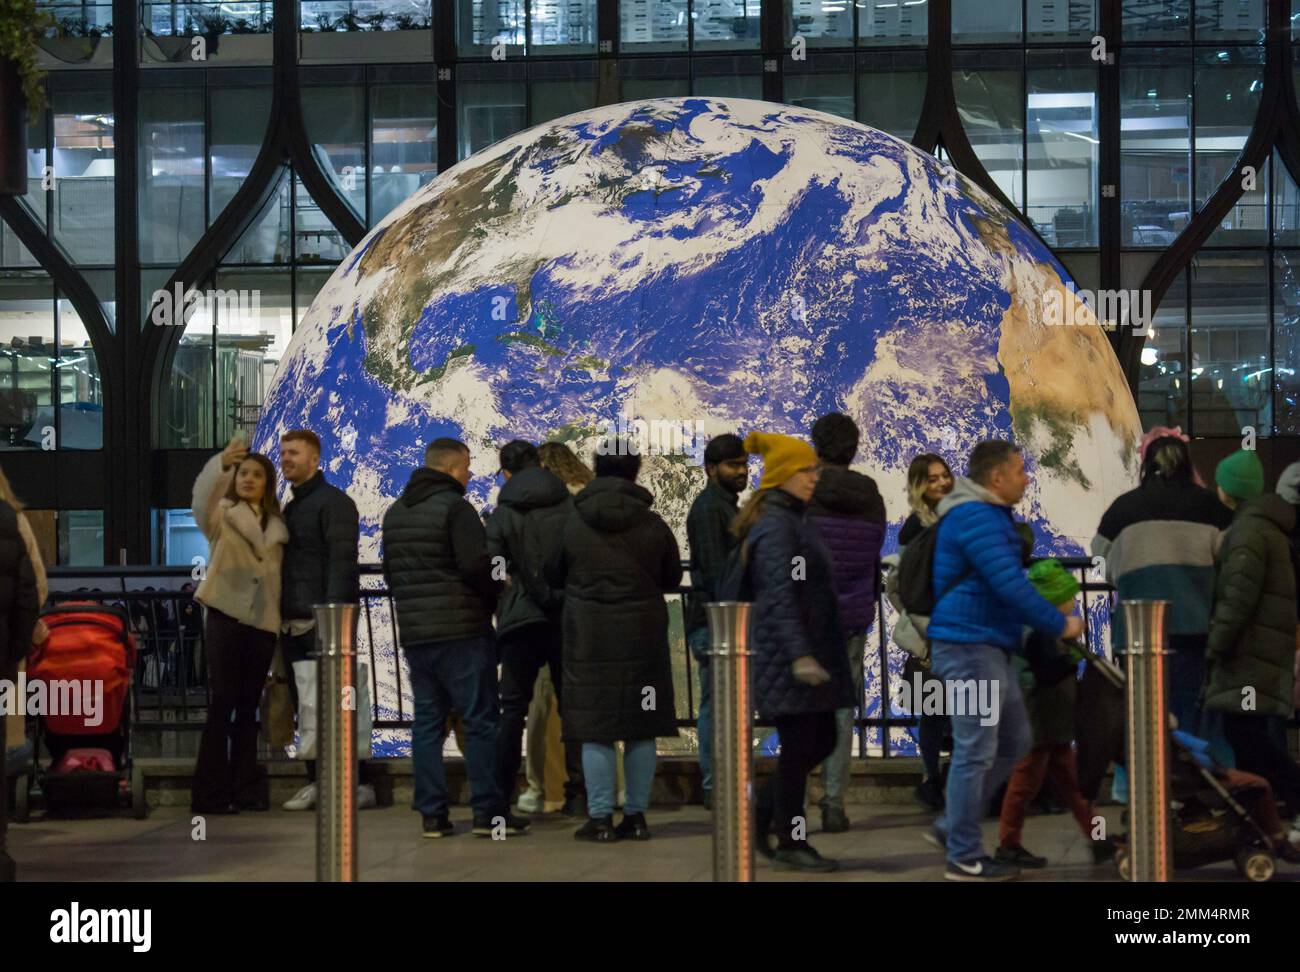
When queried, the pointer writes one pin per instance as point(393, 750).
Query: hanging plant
point(22, 26)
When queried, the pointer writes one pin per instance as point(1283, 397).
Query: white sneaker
point(366, 797)
point(304, 799)
point(530, 801)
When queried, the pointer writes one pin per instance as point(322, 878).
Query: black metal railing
point(170, 690)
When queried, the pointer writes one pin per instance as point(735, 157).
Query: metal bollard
point(1150, 849)
point(336, 732)
point(733, 742)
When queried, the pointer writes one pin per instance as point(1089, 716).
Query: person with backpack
point(709, 537)
point(848, 512)
point(523, 534)
point(616, 562)
point(440, 577)
point(981, 602)
point(929, 479)
point(1048, 683)
point(236, 508)
point(1251, 649)
point(1158, 543)
point(801, 668)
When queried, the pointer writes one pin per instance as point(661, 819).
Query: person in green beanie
point(1251, 651)
point(1047, 681)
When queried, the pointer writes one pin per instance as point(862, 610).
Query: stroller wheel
point(1123, 865)
point(1255, 864)
point(139, 808)
point(22, 792)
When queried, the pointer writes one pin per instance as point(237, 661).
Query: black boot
point(633, 827)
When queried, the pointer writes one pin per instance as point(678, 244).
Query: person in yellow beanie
point(801, 671)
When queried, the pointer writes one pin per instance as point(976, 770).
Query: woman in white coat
point(236, 508)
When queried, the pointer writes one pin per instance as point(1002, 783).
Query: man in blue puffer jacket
point(983, 601)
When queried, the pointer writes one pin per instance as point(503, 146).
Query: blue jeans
point(699, 643)
point(835, 768)
point(599, 771)
point(982, 754)
point(459, 675)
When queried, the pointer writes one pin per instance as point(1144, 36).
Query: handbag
point(305, 675)
point(277, 706)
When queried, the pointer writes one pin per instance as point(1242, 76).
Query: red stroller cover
point(88, 643)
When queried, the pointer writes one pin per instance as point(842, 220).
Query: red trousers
point(1056, 759)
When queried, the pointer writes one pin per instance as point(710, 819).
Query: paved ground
point(885, 844)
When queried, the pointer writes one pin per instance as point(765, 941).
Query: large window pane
point(171, 173)
point(555, 99)
point(821, 23)
point(81, 393)
point(1230, 20)
point(27, 354)
point(653, 77)
point(891, 91)
point(1163, 379)
point(487, 112)
point(482, 25)
point(987, 22)
point(1156, 20)
point(654, 25)
point(1286, 338)
point(892, 23)
point(1225, 102)
point(1230, 343)
point(1061, 20)
point(727, 77)
point(831, 93)
point(190, 412)
point(307, 284)
point(254, 321)
point(403, 143)
point(239, 118)
point(991, 103)
point(81, 538)
point(562, 26)
point(1063, 144)
point(335, 118)
point(1155, 145)
point(315, 237)
point(1286, 205)
point(365, 30)
point(83, 174)
point(726, 24)
point(268, 239)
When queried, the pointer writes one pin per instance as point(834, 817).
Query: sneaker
point(530, 801)
point(485, 824)
point(632, 827)
point(366, 797)
point(439, 826)
point(304, 799)
point(803, 858)
point(599, 829)
point(1019, 857)
point(935, 838)
point(980, 869)
point(575, 805)
point(834, 820)
point(930, 795)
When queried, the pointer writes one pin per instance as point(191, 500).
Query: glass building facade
point(246, 145)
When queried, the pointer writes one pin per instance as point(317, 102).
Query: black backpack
point(916, 573)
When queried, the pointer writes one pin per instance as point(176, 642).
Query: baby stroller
point(89, 657)
point(1208, 816)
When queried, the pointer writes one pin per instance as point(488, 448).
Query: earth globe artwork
point(695, 266)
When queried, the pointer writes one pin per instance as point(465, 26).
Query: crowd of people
point(556, 600)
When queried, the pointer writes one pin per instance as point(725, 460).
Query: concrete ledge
point(677, 780)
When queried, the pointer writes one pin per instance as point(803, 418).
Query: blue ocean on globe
point(709, 265)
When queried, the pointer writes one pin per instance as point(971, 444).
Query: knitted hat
point(1288, 484)
point(783, 456)
point(1241, 475)
point(1053, 581)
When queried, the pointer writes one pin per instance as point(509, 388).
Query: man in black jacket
point(319, 567)
point(19, 610)
point(709, 537)
point(523, 534)
point(437, 567)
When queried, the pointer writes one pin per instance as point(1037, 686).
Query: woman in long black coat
point(801, 670)
point(616, 562)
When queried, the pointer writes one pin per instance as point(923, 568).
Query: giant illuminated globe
point(719, 263)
